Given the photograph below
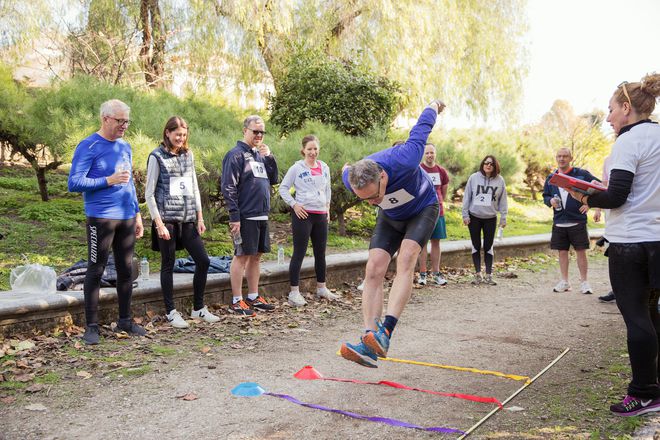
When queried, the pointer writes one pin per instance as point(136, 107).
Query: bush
point(343, 95)
point(60, 214)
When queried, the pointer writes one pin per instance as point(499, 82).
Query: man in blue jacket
point(408, 211)
point(248, 171)
point(569, 226)
point(101, 171)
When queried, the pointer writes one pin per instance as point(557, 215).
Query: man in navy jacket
point(569, 226)
point(248, 171)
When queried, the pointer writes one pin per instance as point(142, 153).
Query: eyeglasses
point(625, 91)
point(258, 132)
point(121, 122)
point(375, 196)
point(490, 164)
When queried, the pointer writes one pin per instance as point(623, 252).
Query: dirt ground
point(135, 388)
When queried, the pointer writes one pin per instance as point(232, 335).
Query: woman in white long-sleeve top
point(310, 207)
point(175, 206)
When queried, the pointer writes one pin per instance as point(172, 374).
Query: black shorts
point(563, 238)
point(388, 233)
point(256, 239)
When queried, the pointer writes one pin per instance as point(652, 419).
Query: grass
point(132, 372)
point(53, 233)
point(160, 350)
point(48, 378)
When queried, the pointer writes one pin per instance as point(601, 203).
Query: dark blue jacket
point(246, 194)
point(571, 212)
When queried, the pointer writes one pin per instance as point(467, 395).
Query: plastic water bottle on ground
point(280, 254)
point(144, 269)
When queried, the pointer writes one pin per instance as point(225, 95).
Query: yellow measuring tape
point(452, 367)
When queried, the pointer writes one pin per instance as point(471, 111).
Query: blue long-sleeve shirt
point(409, 189)
point(94, 160)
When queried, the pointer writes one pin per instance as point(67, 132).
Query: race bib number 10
point(258, 169)
point(181, 186)
point(396, 199)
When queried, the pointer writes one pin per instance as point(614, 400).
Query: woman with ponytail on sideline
point(633, 230)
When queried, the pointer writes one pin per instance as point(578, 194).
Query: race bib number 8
point(396, 199)
point(483, 200)
point(258, 169)
point(181, 186)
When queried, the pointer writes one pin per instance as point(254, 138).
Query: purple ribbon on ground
point(385, 420)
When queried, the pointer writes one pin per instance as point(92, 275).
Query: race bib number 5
point(258, 169)
point(396, 199)
point(181, 186)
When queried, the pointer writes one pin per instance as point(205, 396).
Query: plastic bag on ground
point(33, 278)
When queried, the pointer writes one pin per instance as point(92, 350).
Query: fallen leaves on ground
point(188, 397)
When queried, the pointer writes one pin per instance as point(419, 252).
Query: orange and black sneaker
point(260, 304)
point(241, 308)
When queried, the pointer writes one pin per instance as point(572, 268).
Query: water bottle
point(500, 233)
point(280, 254)
point(237, 239)
point(144, 269)
point(559, 204)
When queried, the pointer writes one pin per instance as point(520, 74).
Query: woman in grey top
point(173, 200)
point(484, 197)
point(310, 178)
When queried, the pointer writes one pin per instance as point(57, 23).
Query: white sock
point(252, 296)
point(237, 299)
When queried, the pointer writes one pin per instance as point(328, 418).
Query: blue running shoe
point(378, 341)
point(359, 353)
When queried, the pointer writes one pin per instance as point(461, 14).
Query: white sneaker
point(361, 286)
point(438, 279)
point(477, 279)
point(176, 320)
point(204, 315)
point(421, 279)
point(296, 299)
point(325, 293)
point(585, 288)
point(562, 286)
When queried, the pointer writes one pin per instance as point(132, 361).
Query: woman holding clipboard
point(633, 230)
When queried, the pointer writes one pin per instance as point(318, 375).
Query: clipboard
point(568, 182)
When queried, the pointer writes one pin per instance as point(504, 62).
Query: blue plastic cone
point(248, 389)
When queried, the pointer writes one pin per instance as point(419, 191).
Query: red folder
point(568, 182)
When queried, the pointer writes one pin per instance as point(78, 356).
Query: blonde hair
point(642, 94)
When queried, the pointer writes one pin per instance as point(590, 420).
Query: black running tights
point(102, 235)
point(488, 225)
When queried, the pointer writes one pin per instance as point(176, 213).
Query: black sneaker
point(607, 298)
point(91, 336)
point(130, 327)
point(259, 303)
point(241, 308)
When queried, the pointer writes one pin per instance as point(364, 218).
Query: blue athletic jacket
point(95, 159)
point(571, 212)
point(246, 180)
point(409, 188)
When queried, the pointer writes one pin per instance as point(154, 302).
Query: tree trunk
point(341, 224)
point(152, 52)
point(43, 184)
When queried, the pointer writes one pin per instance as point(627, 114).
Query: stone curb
point(20, 311)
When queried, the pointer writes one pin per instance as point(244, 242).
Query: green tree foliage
point(22, 131)
point(342, 95)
